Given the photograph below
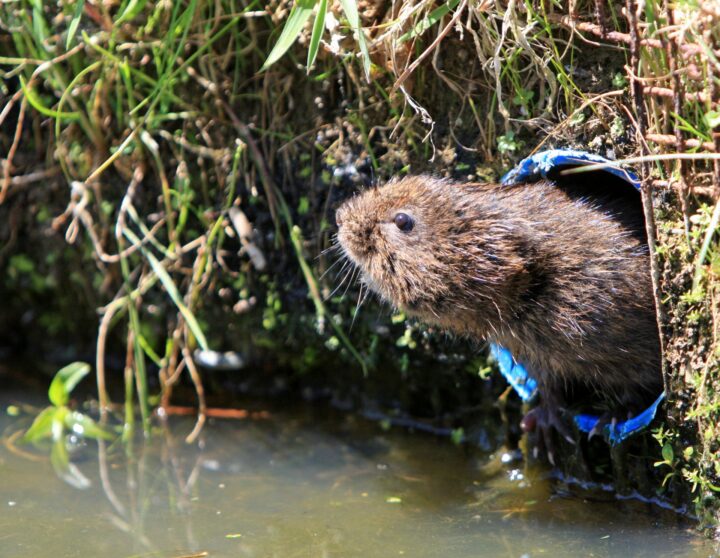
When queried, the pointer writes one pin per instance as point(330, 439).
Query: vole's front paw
point(544, 420)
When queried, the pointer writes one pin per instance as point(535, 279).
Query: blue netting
point(541, 164)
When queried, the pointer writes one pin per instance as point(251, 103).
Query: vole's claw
point(563, 430)
point(544, 420)
point(599, 425)
point(548, 445)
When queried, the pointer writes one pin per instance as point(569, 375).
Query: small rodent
point(561, 281)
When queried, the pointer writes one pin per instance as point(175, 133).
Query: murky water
point(305, 483)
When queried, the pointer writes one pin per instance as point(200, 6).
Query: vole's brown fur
point(559, 281)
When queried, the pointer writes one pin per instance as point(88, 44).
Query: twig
point(618, 37)
point(668, 139)
point(678, 93)
point(13, 149)
point(410, 69)
point(215, 412)
point(646, 186)
point(103, 397)
point(202, 410)
point(669, 93)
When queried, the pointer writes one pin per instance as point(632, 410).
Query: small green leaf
point(41, 426)
point(133, 8)
point(318, 28)
point(40, 28)
point(619, 80)
point(507, 143)
point(65, 381)
point(712, 118)
point(457, 436)
point(293, 26)
point(74, 22)
point(668, 454)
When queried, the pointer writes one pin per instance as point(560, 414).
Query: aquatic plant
point(59, 420)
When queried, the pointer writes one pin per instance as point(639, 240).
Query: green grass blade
point(687, 126)
point(298, 16)
point(74, 22)
point(351, 13)
point(172, 291)
point(38, 105)
point(317, 32)
point(40, 28)
point(427, 22)
point(174, 294)
point(133, 8)
point(709, 235)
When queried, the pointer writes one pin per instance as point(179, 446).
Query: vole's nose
point(338, 219)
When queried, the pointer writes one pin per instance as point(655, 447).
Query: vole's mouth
point(355, 252)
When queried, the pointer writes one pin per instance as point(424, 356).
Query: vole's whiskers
point(357, 307)
point(343, 258)
point(347, 274)
point(354, 277)
point(362, 297)
point(335, 246)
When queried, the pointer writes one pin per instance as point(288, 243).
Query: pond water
point(303, 482)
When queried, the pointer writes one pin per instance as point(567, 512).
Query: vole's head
point(409, 238)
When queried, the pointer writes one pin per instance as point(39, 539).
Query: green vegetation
point(176, 166)
point(58, 421)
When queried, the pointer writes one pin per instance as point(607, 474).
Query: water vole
point(561, 281)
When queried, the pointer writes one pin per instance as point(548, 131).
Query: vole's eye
point(404, 222)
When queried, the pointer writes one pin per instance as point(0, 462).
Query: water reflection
point(300, 482)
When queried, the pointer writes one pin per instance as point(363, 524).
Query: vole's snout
point(338, 219)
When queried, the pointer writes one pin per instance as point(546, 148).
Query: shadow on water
point(296, 482)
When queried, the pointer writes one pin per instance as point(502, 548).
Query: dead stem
point(195, 376)
point(8, 163)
